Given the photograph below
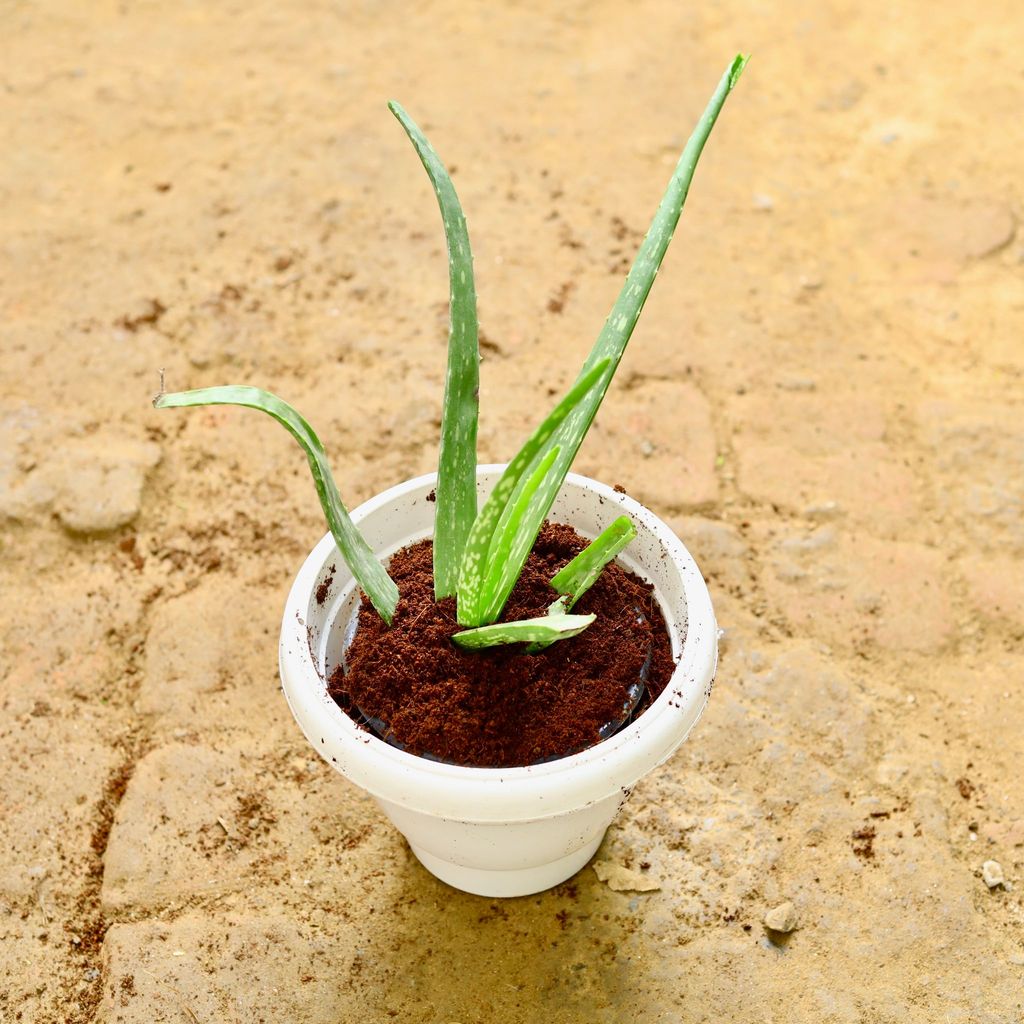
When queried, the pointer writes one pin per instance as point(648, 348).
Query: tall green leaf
point(611, 342)
point(367, 570)
point(455, 508)
point(476, 575)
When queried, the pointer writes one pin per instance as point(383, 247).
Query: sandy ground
point(824, 396)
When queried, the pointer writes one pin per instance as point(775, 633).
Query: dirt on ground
point(824, 397)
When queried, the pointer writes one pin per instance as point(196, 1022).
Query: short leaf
point(545, 629)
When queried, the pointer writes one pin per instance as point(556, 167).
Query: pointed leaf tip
point(738, 64)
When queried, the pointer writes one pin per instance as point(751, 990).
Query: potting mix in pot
point(498, 707)
point(504, 640)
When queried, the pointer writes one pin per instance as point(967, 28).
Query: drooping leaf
point(473, 599)
point(359, 557)
point(455, 507)
point(611, 342)
point(546, 628)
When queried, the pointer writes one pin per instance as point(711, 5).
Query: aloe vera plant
point(478, 555)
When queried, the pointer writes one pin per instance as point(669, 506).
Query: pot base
point(519, 882)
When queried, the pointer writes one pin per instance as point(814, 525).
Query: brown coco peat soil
point(499, 707)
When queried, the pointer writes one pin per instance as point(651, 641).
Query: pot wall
point(498, 832)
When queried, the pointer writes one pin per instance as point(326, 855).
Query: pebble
point(622, 879)
point(992, 873)
point(781, 919)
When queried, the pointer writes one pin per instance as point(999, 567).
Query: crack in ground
point(91, 929)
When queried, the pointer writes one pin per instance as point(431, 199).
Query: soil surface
point(499, 707)
point(824, 397)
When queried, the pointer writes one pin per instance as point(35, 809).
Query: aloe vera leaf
point(474, 568)
point(455, 508)
point(611, 342)
point(577, 577)
point(545, 629)
point(512, 542)
point(359, 557)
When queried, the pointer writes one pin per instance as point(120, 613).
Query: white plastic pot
point(498, 831)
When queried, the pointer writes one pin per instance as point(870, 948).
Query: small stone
point(763, 203)
point(781, 919)
point(992, 874)
point(621, 879)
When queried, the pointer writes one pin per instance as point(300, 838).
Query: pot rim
point(504, 794)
